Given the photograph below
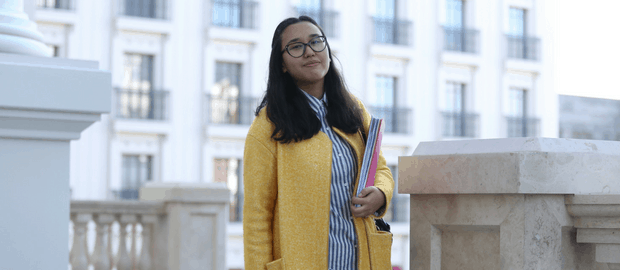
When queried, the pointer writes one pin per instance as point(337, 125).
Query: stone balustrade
point(173, 226)
point(128, 216)
point(516, 203)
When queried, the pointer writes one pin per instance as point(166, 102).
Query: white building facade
point(188, 76)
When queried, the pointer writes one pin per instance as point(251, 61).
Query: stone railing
point(517, 203)
point(172, 227)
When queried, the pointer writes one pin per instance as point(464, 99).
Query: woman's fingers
point(370, 200)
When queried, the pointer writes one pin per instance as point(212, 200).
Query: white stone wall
point(186, 48)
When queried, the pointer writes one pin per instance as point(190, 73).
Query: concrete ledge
point(185, 192)
point(512, 166)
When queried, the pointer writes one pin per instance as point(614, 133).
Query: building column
point(46, 102)
point(18, 34)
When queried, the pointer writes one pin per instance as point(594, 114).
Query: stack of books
point(371, 155)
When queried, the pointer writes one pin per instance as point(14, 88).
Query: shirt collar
point(318, 105)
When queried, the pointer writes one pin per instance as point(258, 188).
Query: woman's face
point(312, 66)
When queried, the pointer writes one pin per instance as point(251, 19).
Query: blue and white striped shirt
point(342, 238)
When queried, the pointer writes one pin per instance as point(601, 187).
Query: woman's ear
point(284, 68)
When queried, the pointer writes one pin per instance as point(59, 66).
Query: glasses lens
point(318, 44)
point(296, 49)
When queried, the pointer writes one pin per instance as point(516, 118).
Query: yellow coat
point(287, 198)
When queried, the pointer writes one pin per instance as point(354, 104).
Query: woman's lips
point(312, 64)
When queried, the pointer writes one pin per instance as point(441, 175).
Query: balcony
point(150, 9)
point(231, 111)
point(327, 19)
point(522, 127)
point(391, 31)
point(459, 124)
point(55, 4)
point(143, 105)
point(397, 120)
point(460, 39)
point(126, 194)
point(523, 47)
point(234, 14)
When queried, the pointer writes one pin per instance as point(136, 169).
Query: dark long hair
point(288, 108)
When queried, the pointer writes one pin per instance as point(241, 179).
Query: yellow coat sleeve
point(260, 186)
point(384, 180)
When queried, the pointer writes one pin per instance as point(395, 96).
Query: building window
point(55, 4)
point(455, 13)
point(137, 170)
point(383, 104)
point(229, 171)
point(457, 37)
point(226, 104)
point(234, 13)
point(136, 98)
point(316, 10)
point(518, 122)
point(387, 27)
point(516, 23)
point(520, 45)
point(457, 122)
point(153, 9)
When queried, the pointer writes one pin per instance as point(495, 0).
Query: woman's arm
point(383, 177)
point(260, 191)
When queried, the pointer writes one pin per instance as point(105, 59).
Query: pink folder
point(375, 156)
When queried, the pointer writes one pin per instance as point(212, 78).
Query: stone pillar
point(193, 235)
point(45, 103)
point(499, 203)
point(18, 34)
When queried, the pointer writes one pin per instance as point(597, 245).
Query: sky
point(588, 48)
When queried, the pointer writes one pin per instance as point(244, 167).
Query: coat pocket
point(276, 265)
point(380, 250)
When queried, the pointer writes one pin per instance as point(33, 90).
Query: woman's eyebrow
point(297, 39)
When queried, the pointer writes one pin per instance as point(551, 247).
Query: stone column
point(193, 235)
point(45, 103)
point(18, 34)
point(499, 203)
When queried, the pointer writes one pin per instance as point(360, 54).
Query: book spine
point(375, 157)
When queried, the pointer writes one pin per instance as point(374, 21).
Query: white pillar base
point(18, 34)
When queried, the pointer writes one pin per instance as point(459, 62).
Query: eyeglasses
point(297, 49)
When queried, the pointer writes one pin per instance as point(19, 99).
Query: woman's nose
point(309, 52)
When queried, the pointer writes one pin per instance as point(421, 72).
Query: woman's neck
point(315, 89)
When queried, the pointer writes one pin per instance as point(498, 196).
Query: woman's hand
point(370, 200)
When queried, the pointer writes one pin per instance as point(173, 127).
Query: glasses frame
point(305, 45)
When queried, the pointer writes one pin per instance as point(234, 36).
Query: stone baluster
point(101, 257)
point(145, 260)
point(125, 262)
point(134, 248)
point(113, 259)
point(79, 251)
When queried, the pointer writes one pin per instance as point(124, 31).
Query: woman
point(302, 155)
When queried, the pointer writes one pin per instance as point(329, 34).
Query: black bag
point(380, 223)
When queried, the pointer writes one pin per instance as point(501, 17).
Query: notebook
point(371, 155)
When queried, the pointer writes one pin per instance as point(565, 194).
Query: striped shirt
point(342, 238)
